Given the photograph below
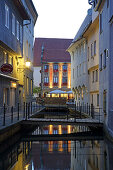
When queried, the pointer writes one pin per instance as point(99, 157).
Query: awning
point(69, 92)
point(57, 92)
point(9, 77)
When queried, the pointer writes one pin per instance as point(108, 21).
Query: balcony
point(55, 70)
point(55, 84)
point(64, 70)
point(64, 84)
point(46, 84)
point(46, 70)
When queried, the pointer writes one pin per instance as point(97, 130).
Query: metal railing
point(87, 110)
point(13, 114)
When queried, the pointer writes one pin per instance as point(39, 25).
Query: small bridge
point(65, 137)
point(80, 122)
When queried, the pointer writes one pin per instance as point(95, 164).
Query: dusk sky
point(59, 18)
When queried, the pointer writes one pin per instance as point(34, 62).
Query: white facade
point(37, 76)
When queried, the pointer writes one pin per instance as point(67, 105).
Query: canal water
point(57, 155)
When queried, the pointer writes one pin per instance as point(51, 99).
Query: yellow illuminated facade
point(56, 76)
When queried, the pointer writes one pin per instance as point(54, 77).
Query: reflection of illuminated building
point(87, 155)
point(60, 146)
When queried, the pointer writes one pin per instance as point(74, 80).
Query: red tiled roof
point(54, 50)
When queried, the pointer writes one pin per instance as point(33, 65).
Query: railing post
point(31, 108)
point(18, 112)
point(75, 111)
point(28, 109)
point(92, 111)
point(87, 108)
point(4, 115)
point(12, 114)
point(80, 113)
point(24, 111)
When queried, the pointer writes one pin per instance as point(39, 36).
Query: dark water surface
point(58, 155)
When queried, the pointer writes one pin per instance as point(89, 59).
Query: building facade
point(51, 55)
point(12, 61)
point(79, 66)
point(105, 9)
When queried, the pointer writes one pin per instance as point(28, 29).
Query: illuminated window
point(64, 67)
point(6, 16)
point(55, 66)
point(5, 57)
point(31, 86)
point(55, 79)
point(46, 79)
point(27, 85)
point(64, 80)
point(10, 60)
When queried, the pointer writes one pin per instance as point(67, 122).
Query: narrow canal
point(57, 155)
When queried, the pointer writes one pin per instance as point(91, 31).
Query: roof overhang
point(8, 77)
point(19, 5)
point(75, 44)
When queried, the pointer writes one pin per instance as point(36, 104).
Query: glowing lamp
point(28, 63)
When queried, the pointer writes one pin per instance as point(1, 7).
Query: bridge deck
point(81, 122)
point(64, 137)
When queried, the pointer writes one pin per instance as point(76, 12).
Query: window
point(20, 34)
point(46, 67)
point(104, 101)
point(64, 67)
point(46, 80)
point(94, 47)
point(64, 80)
point(31, 86)
point(55, 66)
point(88, 54)
point(5, 57)
point(13, 24)
point(91, 50)
point(96, 75)
point(80, 70)
point(27, 85)
point(93, 76)
point(107, 3)
point(101, 56)
point(104, 59)
point(6, 16)
point(55, 79)
point(17, 30)
point(97, 99)
point(92, 99)
point(101, 23)
point(5, 96)
point(10, 60)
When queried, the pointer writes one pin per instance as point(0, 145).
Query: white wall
point(37, 76)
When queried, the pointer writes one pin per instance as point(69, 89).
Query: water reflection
point(58, 155)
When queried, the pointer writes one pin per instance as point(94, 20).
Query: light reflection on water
point(58, 155)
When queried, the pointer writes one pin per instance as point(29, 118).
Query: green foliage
point(37, 90)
